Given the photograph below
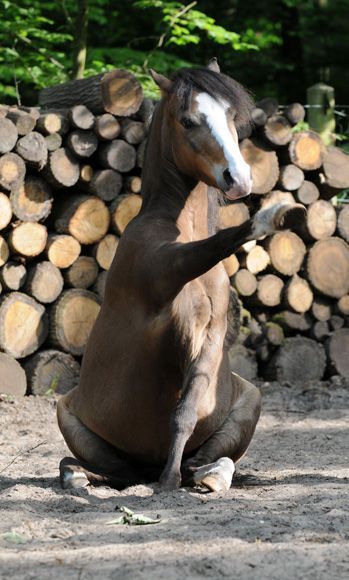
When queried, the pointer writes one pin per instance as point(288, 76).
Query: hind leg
point(213, 464)
point(97, 462)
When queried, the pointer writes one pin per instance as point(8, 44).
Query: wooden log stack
point(70, 182)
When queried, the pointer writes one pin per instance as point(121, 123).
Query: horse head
point(205, 110)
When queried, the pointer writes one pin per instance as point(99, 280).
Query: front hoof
point(290, 217)
point(170, 482)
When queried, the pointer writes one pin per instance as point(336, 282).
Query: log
point(257, 260)
point(5, 211)
point(62, 169)
point(84, 217)
point(307, 193)
point(32, 201)
point(28, 239)
point(13, 275)
point(338, 348)
point(104, 251)
point(269, 290)
point(231, 265)
point(23, 324)
point(23, 121)
point(233, 215)
point(8, 135)
point(269, 105)
point(293, 321)
point(123, 210)
point(298, 294)
point(34, 111)
point(321, 219)
point(264, 166)
point(306, 150)
point(61, 250)
point(44, 282)
point(321, 309)
point(342, 222)
point(343, 305)
point(86, 174)
point(243, 362)
point(81, 117)
point(274, 333)
point(12, 171)
point(336, 167)
point(275, 197)
point(247, 246)
point(33, 150)
point(299, 360)
point(294, 113)
point(4, 251)
point(328, 267)
point(106, 184)
point(82, 274)
point(141, 153)
point(259, 117)
point(145, 111)
point(286, 251)
point(291, 177)
point(320, 330)
point(53, 142)
point(133, 132)
point(336, 322)
point(83, 144)
point(244, 282)
point(51, 371)
point(107, 127)
point(118, 155)
point(277, 130)
point(53, 122)
point(133, 184)
point(12, 377)
point(117, 92)
point(99, 285)
point(72, 318)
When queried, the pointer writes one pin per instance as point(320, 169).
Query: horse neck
point(169, 193)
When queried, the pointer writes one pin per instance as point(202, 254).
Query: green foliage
point(31, 47)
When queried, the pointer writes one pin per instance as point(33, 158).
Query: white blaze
point(215, 113)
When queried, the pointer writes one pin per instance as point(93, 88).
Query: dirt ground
point(285, 516)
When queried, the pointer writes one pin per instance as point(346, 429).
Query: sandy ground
point(286, 515)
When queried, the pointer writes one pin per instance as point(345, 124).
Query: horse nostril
point(228, 178)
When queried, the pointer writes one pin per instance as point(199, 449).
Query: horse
point(156, 398)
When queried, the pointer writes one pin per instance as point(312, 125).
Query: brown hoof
point(290, 216)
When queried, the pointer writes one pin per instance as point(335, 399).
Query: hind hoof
point(215, 476)
point(72, 476)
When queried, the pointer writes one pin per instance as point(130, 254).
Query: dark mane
point(218, 86)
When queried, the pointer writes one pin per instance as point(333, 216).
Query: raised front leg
point(188, 261)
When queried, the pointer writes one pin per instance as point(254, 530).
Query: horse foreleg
point(213, 465)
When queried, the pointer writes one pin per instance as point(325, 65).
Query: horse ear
point(213, 65)
point(163, 82)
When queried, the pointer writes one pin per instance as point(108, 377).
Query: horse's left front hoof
point(290, 217)
point(215, 476)
point(170, 482)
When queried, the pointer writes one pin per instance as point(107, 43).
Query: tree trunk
point(5, 211)
point(13, 275)
point(133, 132)
point(81, 117)
point(62, 251)
point(123, 210)
point(107, 127)
point(269, 290)
point(117, 92)
point(306, 150)
point(12, 171)
point(307, 193)
point(299, 360)
point(12, 377)
point(32, 201)
point(286, 251)
point(8, 135)
point(4, 251)
point(51, 371)
point(342, 222)
point(244, 282)
point(338, 348)
point(295, 113)
point(291, 177)
point(62, 169)
point(44, 282)
point(298, 294)
point(264, 166)
point(257, 260)
point(277, 130)
point(118, 155)
point(23, 324)
point(72, 318)
point(83, 144)
point(28, 239)
point(321, 220)
point(104, 251)
point(106, 184)
point(82, 274)
point(33, 150)
point(84, 217)
point(24, 122)
point(328, 267)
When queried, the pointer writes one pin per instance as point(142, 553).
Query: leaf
point(14, 537)
point(132, 519)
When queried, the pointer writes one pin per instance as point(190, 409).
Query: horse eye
point(187, 123)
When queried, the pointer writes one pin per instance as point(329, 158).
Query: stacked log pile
point(70, 182)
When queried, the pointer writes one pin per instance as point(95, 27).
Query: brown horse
point(156, 394)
